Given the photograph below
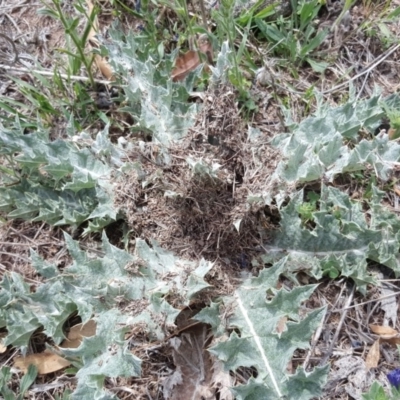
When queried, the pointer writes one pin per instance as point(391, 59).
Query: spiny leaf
point(318, 147)
point(155, 101)
point(262, 347)
point(343, 237)
point(94, 285)
point(58, 183)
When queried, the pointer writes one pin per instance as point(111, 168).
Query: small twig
point(125, 389)
point(18, 233)
point(19, 244)
point(15, 255)
point(13, 22)
point(203, 14)
point(379, 59)
point(362, 87)
point(5, 269)
point(314, 343)
point(148, 393)
point(21, 4)
point(369, 301)
point(38, 231)
point(338, 328)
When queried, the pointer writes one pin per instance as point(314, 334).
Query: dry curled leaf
point(384, 331)
point(373, 356)
point(387, 334)
point(77, 333)
point(189, 61)
point(46, 362)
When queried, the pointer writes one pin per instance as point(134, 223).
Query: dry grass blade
point(367, 70)
point(338, 328)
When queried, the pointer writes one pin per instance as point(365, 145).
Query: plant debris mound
point(195, 203)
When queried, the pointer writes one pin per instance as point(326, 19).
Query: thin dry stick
point(19, 244)
point(5, 269)
point(338, 328)
point(38, 231)
point(15, 255)
point(203, 14)
point(319, 329)
point(314, 342)
point(51, 73)
point(362, 87)
point(380, 59)
point(22, 235)
point(371, 301)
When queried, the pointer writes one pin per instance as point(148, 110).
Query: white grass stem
point(51, 73)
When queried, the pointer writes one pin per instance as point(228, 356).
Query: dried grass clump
point(194, 215)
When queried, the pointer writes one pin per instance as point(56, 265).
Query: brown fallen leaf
point(46, 362)
point(373, 356)
point(184, 64)
point(102, 64)
point(189, 61)
point(383, 330)
point(386, 334)
point(77, 333)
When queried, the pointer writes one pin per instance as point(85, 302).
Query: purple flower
point(394, 378)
